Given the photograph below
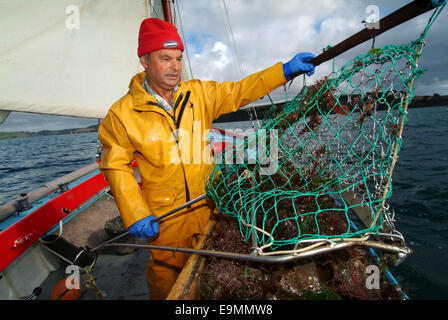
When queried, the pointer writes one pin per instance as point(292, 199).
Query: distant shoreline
point(435, 100)
point(26, 134)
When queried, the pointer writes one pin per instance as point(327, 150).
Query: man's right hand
point(145, 228)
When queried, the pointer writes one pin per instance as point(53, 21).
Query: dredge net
point(296, 183)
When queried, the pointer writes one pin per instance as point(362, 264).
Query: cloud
point(220, 50)
point(269, 31)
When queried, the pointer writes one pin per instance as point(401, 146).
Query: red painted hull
point(21, 235)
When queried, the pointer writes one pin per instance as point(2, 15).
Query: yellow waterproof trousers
point(164, 267)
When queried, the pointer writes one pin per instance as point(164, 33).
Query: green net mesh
point(321, 157)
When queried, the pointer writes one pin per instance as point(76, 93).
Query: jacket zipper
point(175, 134)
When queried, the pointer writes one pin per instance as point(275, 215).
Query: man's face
point(163, 68)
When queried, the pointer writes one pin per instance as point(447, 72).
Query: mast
point(167, 11)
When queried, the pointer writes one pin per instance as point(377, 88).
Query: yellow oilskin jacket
point(171, 148)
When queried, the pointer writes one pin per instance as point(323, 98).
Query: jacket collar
point(142, 100)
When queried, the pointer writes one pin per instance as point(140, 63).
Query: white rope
point(59, 234)
point(238, 63)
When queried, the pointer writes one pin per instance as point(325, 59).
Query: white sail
point(68, 57)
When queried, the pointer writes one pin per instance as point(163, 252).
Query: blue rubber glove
point(145, 228)
point(299, 64)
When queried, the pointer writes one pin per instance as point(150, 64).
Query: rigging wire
point(235, 55)
point(232, 39)
point(176, 7)
point(154, 10)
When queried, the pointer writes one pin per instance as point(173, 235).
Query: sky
point(264, 32)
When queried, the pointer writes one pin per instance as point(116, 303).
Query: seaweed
point(332, 276)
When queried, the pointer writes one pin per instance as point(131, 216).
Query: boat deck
point(121, 276)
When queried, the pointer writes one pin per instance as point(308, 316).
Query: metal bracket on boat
point(63, 187)
point(22, 203)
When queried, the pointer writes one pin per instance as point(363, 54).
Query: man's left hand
point(300, 63)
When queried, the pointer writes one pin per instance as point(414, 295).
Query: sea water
point(419, 194)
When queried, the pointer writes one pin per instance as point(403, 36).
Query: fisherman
point(156, 123)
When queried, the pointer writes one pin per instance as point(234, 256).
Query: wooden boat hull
point(187, 284)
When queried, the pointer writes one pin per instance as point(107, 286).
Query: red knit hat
point(156, 34)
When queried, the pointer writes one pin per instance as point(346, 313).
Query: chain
point(90, 280)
